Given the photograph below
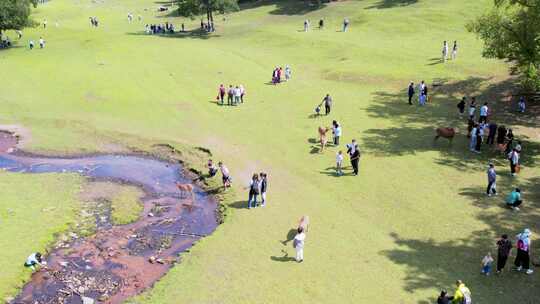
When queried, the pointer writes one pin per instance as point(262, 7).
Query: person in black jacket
point(492, 132)
point(264, 187)
point(411, 92)
point(355, 159)
point(461, 106)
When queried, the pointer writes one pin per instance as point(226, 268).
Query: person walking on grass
point(522, 261)
point(345, 24)
point(472, 108)
point(487, 261)
point(513, 158)
point(474, 134)
point(298, 243)
point(410, 92)
point(230, 95)
point(327, 104)
point(321, 24)
point(264, 186)
point(521, 104)
point(19, 34)
point(484, 110)
point(226, 177)
point(513, 200)
point(237, 94)
point(31, 44)
point(503, 251)
point(339, 163)
point(492, 127)
point(254, 190)
point(288, 73)
point(454, 50)
point(41, 43)
point(306, 25)
point(336, 130)
point(445, 51)
point(492, 180)
point(221, 93)
point(462, 295)
point(422, 89)
point(355, 159)
point(242, 93)
point(461, 106)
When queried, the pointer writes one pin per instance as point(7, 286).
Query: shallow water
point(118, 261)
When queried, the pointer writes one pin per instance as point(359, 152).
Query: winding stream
point(118, 261)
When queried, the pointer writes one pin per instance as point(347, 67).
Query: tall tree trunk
point(211, 20)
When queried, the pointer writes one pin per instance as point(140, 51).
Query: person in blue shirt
point(513, 200)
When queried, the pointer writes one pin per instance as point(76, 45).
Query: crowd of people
point(278, 73)
point(235, 94)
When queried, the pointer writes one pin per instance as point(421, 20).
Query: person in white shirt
point(336, 129)
point(237, 94)
point(288, 73)
point(35, 259)
point(242, 93)
point(298, 244)
point(339, 163)
point(474, 132)
point(306, 25)
point(226, 177)
point(445, 51)
point(41, 42)
point(454, 50)
point(484, 110)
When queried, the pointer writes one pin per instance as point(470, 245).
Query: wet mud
point(117, 262)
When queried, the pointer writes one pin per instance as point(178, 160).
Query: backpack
point(255, 187)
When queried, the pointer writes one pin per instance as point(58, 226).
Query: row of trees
point(15, 14)
point(511, 31)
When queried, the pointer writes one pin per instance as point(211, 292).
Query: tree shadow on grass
point(383, 4)
point(284, 7)
point(193, 34)
point(438, 264)
point(417, 125)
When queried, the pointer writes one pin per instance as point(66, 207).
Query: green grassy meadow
point(412, 222)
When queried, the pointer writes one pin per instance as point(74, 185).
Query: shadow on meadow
point(286, 7)
point(438, 264)
point(192, 34)
point(431, 263)
point(416, 125)
point(382, 4)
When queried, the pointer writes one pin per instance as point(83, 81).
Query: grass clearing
point(414, 221)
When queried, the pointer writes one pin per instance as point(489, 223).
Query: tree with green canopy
point(193, 8)
point(15, 14)
point(511, 31)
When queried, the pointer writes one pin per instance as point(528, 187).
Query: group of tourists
point(307, 24)
point(94, 22)
point(41, 41)
point(166, 28)
point(257, 186)
point(422, 91)
point(225, 175)
point(235, 94)
point(445, 51)
point(278, 73)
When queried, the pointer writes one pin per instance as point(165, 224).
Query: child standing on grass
point(486, 264)
point(339, 163)
point(226, 177)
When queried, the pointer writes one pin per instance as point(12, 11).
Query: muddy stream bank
point(117, 262)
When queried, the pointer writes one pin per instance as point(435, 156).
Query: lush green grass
point(33, 210)
point(414, 220)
